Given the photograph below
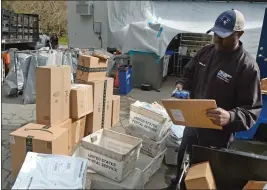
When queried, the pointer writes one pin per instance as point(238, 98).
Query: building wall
point(80, 28)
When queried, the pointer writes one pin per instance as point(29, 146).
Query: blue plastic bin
point(169, 52)
point(125, 79)
point(249, 134)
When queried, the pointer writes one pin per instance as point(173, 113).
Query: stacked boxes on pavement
point(151, 123)
point(91, 70)
point(65, 113)
point(111, 156)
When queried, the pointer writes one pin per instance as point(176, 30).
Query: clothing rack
point(35, 52)
point(74, 51)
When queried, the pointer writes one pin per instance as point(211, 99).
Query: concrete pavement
point(15, 115)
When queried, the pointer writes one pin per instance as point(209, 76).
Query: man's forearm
point(242, 118)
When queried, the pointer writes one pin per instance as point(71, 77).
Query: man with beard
point(225, 72)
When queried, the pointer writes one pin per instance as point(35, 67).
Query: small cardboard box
point(264, 85)
point(78, 127)
point(53, 85)
point(200, 176)
point(36, 138)
point(115, 110)
point(81, 96)
point(190, 112)
point(91, 68)
point(102, 97)
point(259, 185)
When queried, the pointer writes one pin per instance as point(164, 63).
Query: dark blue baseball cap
point(227, 23)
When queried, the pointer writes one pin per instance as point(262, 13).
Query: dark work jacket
point(230, 78)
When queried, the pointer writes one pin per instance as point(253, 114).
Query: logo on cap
point(224, 20)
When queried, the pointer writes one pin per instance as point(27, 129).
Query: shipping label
point(177, 115)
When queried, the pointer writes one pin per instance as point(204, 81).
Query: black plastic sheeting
point(232, 169)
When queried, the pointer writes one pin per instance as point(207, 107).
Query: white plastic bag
point(19, 64)
point(51, 57)
point(175, 136)
point(23, 60)
point(3, 70)
point(59, 57)
point(48, 171)
point(67, 60)
point(29, 92)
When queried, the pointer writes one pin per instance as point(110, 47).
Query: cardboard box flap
point(54, 66)
point(40, 132)
point(190, 112)
point(48, 66)
point(88, 61)
point(79, 86)
point(101, 56)
point(255, 185)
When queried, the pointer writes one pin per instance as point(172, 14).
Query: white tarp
point(129, 29)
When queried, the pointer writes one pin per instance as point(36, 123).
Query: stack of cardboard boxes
point(92, 71)
point(66, 112)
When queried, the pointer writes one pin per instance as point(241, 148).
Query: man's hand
point(179, 87)
point(218, 116)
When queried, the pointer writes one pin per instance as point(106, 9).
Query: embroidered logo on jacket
point(224, 76)
point(202, 64)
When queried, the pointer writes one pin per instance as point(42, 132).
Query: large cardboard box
point(36, 138)
point(259, 185)
point(116, 103)
point(67, 125)
point(78, 127)
point(91, 68)
point(53, 85)
point(190, 112)
point(81, 96)
point(264, 85)
point(102, 97)
point(200, 176)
